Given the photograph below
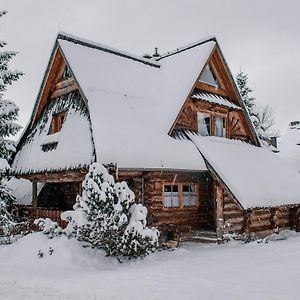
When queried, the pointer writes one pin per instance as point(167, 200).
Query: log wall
point(261, 221)
point(201, 216)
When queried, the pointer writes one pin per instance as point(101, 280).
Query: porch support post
point(219, 213)
point(34, 195)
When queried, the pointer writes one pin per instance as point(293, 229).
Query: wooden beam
point(65, 90)
point(219, 212)
point(34, 195)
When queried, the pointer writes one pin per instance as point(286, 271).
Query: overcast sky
point(262, 37)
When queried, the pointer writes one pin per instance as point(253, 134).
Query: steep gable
point(214, 93)
point(58, 136)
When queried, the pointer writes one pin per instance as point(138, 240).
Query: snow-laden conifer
point(8, 127)
point(107, 216)
point(261, 116)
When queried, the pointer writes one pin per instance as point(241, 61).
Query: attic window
point(57, 122)
point(66, 73)
point(204, 123)
point(208, 76)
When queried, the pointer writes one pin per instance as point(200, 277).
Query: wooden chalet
point(173, 126)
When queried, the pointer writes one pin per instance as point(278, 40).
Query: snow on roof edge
point(188, 46)
point(88, 43)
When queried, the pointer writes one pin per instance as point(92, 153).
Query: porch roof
point(256, 176)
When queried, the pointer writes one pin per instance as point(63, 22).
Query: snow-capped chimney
point(156, 54)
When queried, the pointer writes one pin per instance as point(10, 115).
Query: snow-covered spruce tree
point(8, 127)
point(106, 216)
point(261, 116)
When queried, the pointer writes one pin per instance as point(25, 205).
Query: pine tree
point(8, 127)
point(261, 116)
point(106, 216)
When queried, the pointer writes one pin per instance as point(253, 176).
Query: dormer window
point(208, 76)
point(211, 124)
point(57, 122)
point(220, 126)
point(204, 123)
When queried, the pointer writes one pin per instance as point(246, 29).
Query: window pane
point(208, 76)
point(189, 196)
point(220, 126)
point(171, 197)
point(203, 123)
point(175, 188)
point(186, 188)
point(168, 188)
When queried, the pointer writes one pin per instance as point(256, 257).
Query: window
point(208, 76)
point(171, 196)
point(220, 126)
point(189, 195)
point(180, 195)
point(57, 122)
point(204, 127)
point(211, 124)
point(66, 73)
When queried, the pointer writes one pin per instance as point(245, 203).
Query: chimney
point(156, 54)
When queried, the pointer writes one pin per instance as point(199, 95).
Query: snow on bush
point(107, 217)
point(48, 227)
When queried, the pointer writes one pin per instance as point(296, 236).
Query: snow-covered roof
point(255, 175)
point(4, 166)
point(213, 98)
point(22, 190)
point(290, 146)
point(70, 148)
point(133, 105)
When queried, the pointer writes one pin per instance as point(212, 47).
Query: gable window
point(208, 76)
point(204, 127)
point(180, 195)
point(66, 73)
point(57, 122)
point(220, 126)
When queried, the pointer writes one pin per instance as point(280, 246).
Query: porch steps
point(200, 236)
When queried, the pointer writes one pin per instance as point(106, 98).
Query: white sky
point(262, 37)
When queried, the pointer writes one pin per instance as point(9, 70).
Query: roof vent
point(295, 124)
point(156, 54)
point(147, 55)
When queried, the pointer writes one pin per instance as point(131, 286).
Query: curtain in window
point(220, 126)
point(203, 124)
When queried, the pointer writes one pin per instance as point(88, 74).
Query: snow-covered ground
point(193, 271)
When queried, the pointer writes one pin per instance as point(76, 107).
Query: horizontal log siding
point(261, 221)
point(200, 216)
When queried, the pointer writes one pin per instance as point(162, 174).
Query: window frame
point(180, 195)
point(210, 68)
point(57, 122)
point(213, 116)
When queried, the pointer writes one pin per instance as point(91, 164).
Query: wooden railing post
point(219, 213)
point(34, 195)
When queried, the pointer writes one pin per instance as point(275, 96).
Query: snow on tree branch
point(107, 217)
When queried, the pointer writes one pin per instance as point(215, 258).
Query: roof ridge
point(88, 43)
point(187, 47)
